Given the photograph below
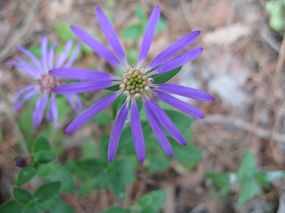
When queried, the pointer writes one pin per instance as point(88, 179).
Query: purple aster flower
point(136, 83)
point(44, 82)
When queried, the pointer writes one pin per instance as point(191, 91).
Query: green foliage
point(65, 34)
point(25, 175)
point(151, 202)
point(221, 180)
point(47, 191)
point(41, 144)
point(22, 195)
point(164, 77)
point(135, 31)
point(116, 209)
point(57, 172)
point(12, 206)
point(276, 8)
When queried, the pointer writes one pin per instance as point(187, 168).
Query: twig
point(13, 40)
point(246, 126)
point(22, 142)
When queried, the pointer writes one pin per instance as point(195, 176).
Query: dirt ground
point(242, 66)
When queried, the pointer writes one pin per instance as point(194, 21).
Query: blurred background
point(242, 137)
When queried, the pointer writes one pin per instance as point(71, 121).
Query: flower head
point(22, 162)
point(137, 82)
point(44, 82)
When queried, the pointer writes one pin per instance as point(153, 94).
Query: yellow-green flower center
point(135, 82)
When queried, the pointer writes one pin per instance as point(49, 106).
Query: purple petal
point(186, 92)
point(63, 56)
point(178, 104)
point(174, 48)
point(25, 89)
point(180, 60)
point(111, 35)
point(95, 45)
point(45, 53)
point(116, 132)
point(73, 57)
point(33, 91)
point(89, 113)
point(74, 101)
point(157, 129)
point(81, 74)
point(137, 132)
point(39, 110)
point(51, 56)
point(79, 87)
point(26, 67)
point(53, 111)
point(163, 118)
point(32, 57)
point(149, 33)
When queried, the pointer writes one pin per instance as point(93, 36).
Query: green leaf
point(161, 26)
point(188, 156)
point(25, 175)
point(102, 118)
point(89, 149)
point(247, 168)
point(56, 172)
point(41, 144)
point(164, 77)
point(222, 181)
point(22, 195)
point(158, 162)
point(36, 51)
point(249, 189)
point(117, 175)
point(117, 209)
point(12, 207)
point(57, 205)
point(44, 156)
point(151, 202)
point(47, 191)
point(140, 13)
point(63, 31)
point(133, 32)
point(114, 88)
point(91, 166)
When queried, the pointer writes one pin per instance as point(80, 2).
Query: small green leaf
point(151, 202)
point(114, 88)
point(117, 209)
point(249, 189)
point(47, 191)
point(41, 144)
point(56, 172)
point(25, 175)
point(164, 77)
point(140, 13)
point(222, 181)
point(103, 118)
point(132, 32)
point(12, 207)
point(22, 195)
point(44, 156)
point(188, 155)
point(63, 31)
point(247, 168)
point(89, 149)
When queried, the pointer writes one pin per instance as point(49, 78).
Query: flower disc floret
point(135, 82)
point(48, 82)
